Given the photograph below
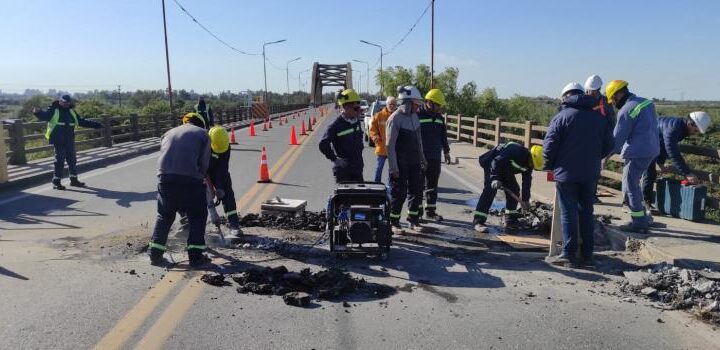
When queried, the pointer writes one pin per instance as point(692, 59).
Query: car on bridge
point(376, 106)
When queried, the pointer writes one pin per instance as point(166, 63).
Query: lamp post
point(287, 77)
point(167, 60)
point(359, 80)
point(367, 75)
point(265, 69)
point(299, 84)
point(432, 46)
point(382, 82)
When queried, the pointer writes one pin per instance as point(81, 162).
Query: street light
point(287, 77)
point(359, 80)
point(367, 76)
point(382, 83)
point(265, 69)
point(307, 70)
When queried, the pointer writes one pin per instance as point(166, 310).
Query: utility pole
point(287, 78)
point(264, 68)
point(382, 81)
point(167, 60)
point(432, 45)
point(367, 76)
point(119, 98)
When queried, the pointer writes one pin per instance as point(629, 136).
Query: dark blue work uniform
point(434, 140)
point(344, 141)
point(219, 174)
point(672, 130)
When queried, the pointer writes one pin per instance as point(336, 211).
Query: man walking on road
point(206, 112)
point(636, 139)
point(435, 144)
point(577, 140)
point(182, 165)
point(377, 134)
point(342, 142)
point(672, 130)
point(406, 159)
point(62, 120)
point(500, 165)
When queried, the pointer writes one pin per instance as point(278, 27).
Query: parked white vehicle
point(376, 106)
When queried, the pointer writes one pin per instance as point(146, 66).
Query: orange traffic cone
point(281, 121)
point(314, 120)
point(270, 124)
point(293, 136)
point(294, 114)
point(309, 124)
point(232, 136)
point(302, 128)
point(264, 172)
point(265, 127)
point(252, 128)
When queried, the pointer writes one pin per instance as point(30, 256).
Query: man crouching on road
point(342, 143)
point(182, 165)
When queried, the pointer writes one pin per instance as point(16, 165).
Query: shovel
point(517, 198)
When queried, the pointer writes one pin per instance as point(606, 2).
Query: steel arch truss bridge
point(329, 75)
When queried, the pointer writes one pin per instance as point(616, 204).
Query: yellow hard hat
point(219, 139)
point(436, 96)
point(347, 96)
point(613, 87)
point(536, 153)
point(187, 117)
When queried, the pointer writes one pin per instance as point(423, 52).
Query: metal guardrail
point(479, 131)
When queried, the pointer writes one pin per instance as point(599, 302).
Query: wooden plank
point(39, 149)
point(540, 128)
point(525, 241)
point(535, 141)
point(514, 125)
point(486, 141)
point(487, 121)
point(611, 175)
point(466, 127)
point(486, 132)
point(96, 141)
point(33, 137)
point(512, 136)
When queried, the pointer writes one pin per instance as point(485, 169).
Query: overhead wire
point(412, 28)
point(223, 42)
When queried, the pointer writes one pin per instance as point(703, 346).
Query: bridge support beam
point(329, 75)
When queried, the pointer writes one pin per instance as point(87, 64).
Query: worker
point(205, 111)
point(637, 141)
point(342, 142)
point(377, 134)
point(577, 140)
point(182, 166)
point(435, 144)
point(219, 175)
point(406, 159)
point(500, 165)
point(62, 120)
point(672, 130)
point(593, 85)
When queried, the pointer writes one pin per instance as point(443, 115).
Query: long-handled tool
point(517, 198)
point(210, 195)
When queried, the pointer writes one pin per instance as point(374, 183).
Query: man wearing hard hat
point(342, 142)
point(435, 145)
point(672, 130)
point(593, 85)
point(636, 139)
point(219, 174)
point(578, 138)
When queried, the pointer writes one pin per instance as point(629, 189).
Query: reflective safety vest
point(54, 121)
point(197, 110)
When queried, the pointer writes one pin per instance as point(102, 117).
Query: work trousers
point(180, 194)
point(348, 175)
point(488, 196)
point(648, 182)
point(432, 175)
point(632, 191)
point(379, 168)
point(65, 152)
point(576, 212)
point(407, 185)
point(222, 181)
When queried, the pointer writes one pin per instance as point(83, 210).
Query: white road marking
point(464, 182)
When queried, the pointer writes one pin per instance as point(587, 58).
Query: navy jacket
point(64, 133)
point(344, 140)
point(672, 131)
point(434, 134)
point(509, 159)
point(577, 139)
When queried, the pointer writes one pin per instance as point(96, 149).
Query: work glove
point(448, 160)
point(496, 185)
point(525, 205)
point(692, 179)
point(340, 163)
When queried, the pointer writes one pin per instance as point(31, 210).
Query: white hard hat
point(702, 120)
point(571, 87)
point(593, 82)
point(408, 92)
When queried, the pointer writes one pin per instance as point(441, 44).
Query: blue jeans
point(633, 191)
point(379, 168)
point(576, 212)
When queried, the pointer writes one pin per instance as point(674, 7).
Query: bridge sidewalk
point(681, 242)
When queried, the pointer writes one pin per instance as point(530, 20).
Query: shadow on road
point(6, 272)
point(122, 198)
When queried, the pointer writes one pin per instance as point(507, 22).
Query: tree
point(36, 101)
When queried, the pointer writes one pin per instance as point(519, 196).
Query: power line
point(409, 30)
point(213, 34)
point(273, 64)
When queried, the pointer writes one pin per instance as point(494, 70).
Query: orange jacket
point(377, 130)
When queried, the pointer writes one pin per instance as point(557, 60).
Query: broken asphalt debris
point(298, 288)
point(678, 289)
point(307, 221)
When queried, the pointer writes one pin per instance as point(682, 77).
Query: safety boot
point(511, 222)
point(235, 232)
point(396, 228)
point(75, 182)
point(415, 225)
point(157, 258)
point(198, 260)
point(433, 216)
point(480, 228)
point(57, 185)
point(630, 227)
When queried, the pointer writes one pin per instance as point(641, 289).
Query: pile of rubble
point(306, 221)
point(678, 289)
point(299, 288)
point(539, 219)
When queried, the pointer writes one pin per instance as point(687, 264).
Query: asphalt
point(65, 275)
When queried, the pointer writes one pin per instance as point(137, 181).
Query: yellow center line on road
point(133, 319)
point(163, 327)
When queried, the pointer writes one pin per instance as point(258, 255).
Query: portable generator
point(358, 219)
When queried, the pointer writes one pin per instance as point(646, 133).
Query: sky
point(665, 49)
